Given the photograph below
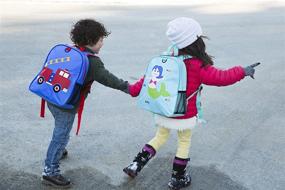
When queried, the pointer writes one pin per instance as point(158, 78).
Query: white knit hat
point(183, 31)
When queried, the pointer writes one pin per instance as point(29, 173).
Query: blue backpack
point(164, 88)
point(61, 79)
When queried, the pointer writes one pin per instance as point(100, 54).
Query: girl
point(186, 34)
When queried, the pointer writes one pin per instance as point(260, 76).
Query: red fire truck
point(59, 80)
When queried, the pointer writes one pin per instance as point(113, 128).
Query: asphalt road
point(241, 147)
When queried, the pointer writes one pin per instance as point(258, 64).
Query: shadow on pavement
point(154, 176)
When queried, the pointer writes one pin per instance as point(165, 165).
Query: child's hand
point(249, 70)
point(131, 89)
point(134, 89)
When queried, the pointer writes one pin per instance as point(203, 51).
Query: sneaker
point(64, 154)
point(176, 183)
point(132, 169)
point(56, 181)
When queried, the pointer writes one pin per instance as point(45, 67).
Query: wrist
point(246, 71)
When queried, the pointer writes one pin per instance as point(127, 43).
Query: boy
point(87, 35)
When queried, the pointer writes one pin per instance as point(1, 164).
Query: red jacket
point(197, 75)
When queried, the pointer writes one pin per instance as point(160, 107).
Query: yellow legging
point(184, 141)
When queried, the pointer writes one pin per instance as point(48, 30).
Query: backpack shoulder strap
point(197, 91)
point(85, 90)
point(198, 105)
point(43, 106)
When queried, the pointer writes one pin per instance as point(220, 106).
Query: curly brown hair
point(87, 32)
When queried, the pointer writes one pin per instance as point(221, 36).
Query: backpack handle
point(171, 50)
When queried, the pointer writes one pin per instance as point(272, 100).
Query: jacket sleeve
point(134, 89)
point(104, 77)
point(218, 77)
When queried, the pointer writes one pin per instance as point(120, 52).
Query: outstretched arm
point(217, 77)
point(211, 75)
point(104, 77)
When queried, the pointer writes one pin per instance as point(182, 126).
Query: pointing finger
point(254, 65)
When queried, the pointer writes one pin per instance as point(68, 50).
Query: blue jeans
point(60, 138)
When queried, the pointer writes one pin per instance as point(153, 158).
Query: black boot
point(56, 181)
point(140, 161)
point(179, 178)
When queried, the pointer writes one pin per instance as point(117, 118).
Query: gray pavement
point(241, 147)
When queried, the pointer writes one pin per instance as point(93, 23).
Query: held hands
point(249, 70)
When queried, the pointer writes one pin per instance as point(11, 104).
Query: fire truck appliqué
point(59, 80)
